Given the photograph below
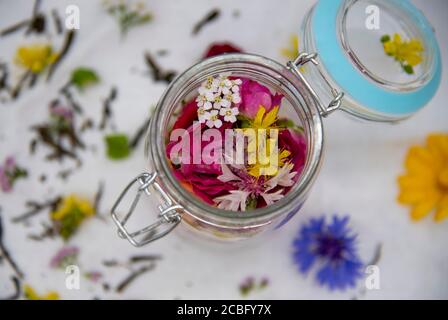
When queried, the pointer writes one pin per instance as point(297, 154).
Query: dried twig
point(17, 289)
point(134, 275)
point(377, 255)
point(36, 208)
point(107, 110)
point(6, 255)
point(57, 21)
point(65, 91)
point(157, 73)
point(98, 197)
point(69, 37)
point(139, 134)
point(211, 16)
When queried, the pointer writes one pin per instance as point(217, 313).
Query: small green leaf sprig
point(128, 15)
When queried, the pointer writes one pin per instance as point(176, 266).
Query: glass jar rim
point(222, 63)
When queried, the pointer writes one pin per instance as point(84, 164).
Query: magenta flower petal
point(254, 95)
point(5, 184)
point(295, 143)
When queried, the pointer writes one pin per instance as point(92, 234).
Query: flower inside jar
point(230, 147)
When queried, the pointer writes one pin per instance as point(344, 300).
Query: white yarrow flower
point(213, 119)
point(203, 115)
point(229, 114)
point(218, 93)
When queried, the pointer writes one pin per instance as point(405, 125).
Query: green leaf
point(287, 123)
point(251, 203)
point(244, 122)
point(408, 69)
point(83, 77)
point(117, 146)
point(385, 38)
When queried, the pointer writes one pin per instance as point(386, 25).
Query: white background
point(358, 176)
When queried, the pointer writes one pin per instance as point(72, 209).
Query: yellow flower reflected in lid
point(409, 53)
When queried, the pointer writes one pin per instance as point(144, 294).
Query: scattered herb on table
point(10, 172)
point(139, 134)
point(117, 146)
point(210, 17)
point(107, 108)
point(250, 284)
point(57, 21)
point(59, 134)
point(83, 77)
point(31, 294)
point(133, 276)
point(69, 37)
point(36, 208)
point(127, 14)
point(71, 212)
point(157, 73)
point(17, 290)
point(138, 265)
point(36, 23)
point(4, 252)
point(64, 257)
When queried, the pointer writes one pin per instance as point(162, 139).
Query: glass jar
point(313, 88)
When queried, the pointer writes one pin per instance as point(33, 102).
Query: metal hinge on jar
point(168, 218)
point(294, 66)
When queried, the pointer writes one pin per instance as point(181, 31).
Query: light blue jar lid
point(373, 96)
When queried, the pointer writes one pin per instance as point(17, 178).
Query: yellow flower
point(31, 294)
point(70, 213)
point(36, 57)
point(293, 50)
point(406, 52)
point(265, 121)
point(258, 169)
point(425, 184)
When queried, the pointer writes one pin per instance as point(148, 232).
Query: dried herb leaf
point(117, 146)
point(211, 16)
point(385, 38)
point(83, 77)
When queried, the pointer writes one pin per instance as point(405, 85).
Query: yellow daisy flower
point(70, 213)
point(265, 121)
point(31, 294)
point(425, 184)
point(36, 57)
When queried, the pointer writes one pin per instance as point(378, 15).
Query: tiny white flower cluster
point(215, 99)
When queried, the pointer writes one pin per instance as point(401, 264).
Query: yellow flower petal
point(442, 210)
point(422, 209)
point(270, 117)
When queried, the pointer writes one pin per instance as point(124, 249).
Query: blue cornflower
point(332, 248)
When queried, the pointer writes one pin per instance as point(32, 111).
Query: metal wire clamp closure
point(294, 66)
point(168, 218)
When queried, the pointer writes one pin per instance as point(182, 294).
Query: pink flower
point(5, 184)
point(64, 257)
point(188, 115)
point(295, 143)
point(202, 177)
point(219, 48)
point(9, 173)
point(254, 95)
point(62, 112)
